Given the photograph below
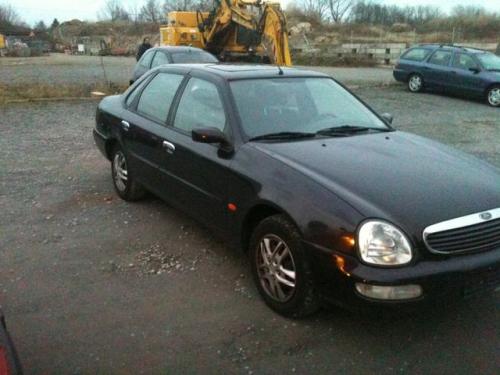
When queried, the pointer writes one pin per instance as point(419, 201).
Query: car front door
point(198, 172)
point(467, 77)
point(437, 70)
point(144, 126)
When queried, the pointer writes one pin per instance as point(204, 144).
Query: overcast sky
point(34, 10)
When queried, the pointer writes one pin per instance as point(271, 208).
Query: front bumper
point(400, 75)
point(441, 279)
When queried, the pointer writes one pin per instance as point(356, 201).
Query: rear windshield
point(190, 57)
point(416, 54)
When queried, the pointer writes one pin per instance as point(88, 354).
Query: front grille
point(482, 283)
point(452, 237)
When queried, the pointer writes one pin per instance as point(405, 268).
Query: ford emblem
point(485, 216)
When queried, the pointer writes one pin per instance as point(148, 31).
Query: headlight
point(383, 244)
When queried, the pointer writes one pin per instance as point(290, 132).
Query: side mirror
point(475, 70)
point(212, 136)
point(387, 117)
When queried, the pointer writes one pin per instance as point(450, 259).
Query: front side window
point(464, 61)
point(160, 59)
point(158, 95)
point(306, 105)
point(200, 107)
point(145, 60)
point(441, 58)
point(416, 54)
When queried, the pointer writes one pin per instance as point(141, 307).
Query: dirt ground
point(91, 284)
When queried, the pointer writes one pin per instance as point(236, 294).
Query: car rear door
point(437, 70)
point(197, 173)
point(144, 126)
point(464, 79)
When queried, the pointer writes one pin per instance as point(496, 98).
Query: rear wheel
point(415, 83)
point(493, 96)
point(123, 180)
point(280, 268)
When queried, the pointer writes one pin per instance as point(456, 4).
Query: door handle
point(170, 147)
point(125, 125)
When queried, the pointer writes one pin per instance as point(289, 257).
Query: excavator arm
point(243, 29)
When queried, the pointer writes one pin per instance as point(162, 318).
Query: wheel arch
point(490, 86)
point(109, 146)
point(412, 73)
point(255, 215)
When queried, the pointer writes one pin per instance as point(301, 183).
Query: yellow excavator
point(235, 30)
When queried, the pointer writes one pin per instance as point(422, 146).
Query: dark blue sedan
point(460, 70)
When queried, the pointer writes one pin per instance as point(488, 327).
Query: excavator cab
point(234, 30)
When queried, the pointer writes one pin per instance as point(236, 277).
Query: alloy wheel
point(494, 97)
point(120, 173)
point(276, 268)
point(415, 83)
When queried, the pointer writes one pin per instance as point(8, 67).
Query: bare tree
point(114, 11)
point(9, 16)
point(315, 8)
point(151, 12)
point(186, 5)
point(338, 9)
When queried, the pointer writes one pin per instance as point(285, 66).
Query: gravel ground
point(66, 69)
point(91, 284)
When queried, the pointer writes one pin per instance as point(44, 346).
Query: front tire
point(123, 180)
point(493, 96)
point(415, 83)
point(280, 268)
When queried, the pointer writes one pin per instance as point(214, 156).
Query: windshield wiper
point(349, 129)
point(494, 70)
point(283, 135)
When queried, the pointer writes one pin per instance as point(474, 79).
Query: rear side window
point(190, 57)
point(131, 97)
point(441, 58)
point(200, 107)
point(160, 59)
point(416, 54)
point(158, 95)
point(145, 60)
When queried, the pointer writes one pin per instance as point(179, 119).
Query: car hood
point(412, 181)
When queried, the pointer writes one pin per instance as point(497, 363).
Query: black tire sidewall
point(303, 302)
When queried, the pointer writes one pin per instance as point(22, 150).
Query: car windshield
point(299, 105)
point(489, 61)
point(190, 57)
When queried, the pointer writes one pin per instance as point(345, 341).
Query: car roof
point(246, 71)
point(178, 49)
point(452, 47)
